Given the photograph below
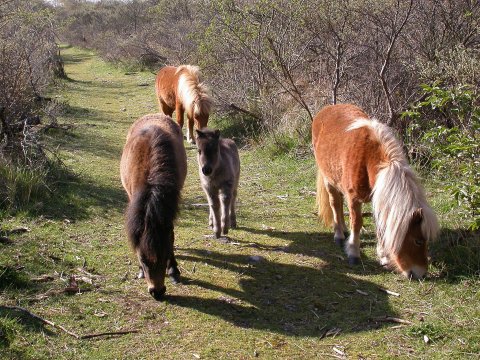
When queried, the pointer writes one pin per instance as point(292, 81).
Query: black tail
point(153, 209)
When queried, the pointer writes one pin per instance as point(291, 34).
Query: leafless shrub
point(28, 61)
point(277, 60)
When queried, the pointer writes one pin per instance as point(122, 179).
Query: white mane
point(192, 92)
point(397, 192)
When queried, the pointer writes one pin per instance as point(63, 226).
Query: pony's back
point(153, 170)
point(344, 157)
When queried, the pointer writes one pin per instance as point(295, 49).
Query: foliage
point(280, 59)
point(447, 126)
point(8, 328)
point(433, 332)
point(20, 185)
point(29, 62)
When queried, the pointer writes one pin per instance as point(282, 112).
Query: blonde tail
point(323, 202)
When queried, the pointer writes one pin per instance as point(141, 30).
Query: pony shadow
point(320, 245)
point(287, 299)
point(456, 254)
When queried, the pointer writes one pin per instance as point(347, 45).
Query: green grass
point(227, 307)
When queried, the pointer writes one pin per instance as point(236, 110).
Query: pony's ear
point(200, 134)
point(216, 134)
point(417, 216)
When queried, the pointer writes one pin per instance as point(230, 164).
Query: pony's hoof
point(339, 241)
point(174, 276)
point(353, 260)
point(175, 279)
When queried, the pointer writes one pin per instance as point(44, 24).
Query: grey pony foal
point(219, 168)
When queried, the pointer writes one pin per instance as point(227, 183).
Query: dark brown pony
point(153, 170)
point(360, 159)
point(179, 89)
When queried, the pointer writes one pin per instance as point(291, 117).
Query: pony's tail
point(323, 203)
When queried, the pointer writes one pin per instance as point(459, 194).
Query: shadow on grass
point(74, 198)
point(11, 278)
point(294, 300)
point(315, 244)
point(75, 58)
point(456, 254)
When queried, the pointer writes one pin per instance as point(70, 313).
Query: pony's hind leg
point(352, 247)
point(233, 214)
point(179, 114)
point(336, 203)
point(167, 110)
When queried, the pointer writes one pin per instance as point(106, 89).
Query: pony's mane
point(153, 210)
point(397, 192)
point(192, 92)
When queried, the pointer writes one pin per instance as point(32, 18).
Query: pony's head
point(411, 258)
point(201, 111)
point(153, 263)
point(208, 150)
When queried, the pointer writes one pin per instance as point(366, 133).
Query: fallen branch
point(44, 321)
point(392, 319)
point(60, 327)
point(239, 109)
point(389, 292)
point(110, 333)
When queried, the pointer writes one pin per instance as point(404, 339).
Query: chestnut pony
point(179, 89)
point(360, 159)
point(153, 170)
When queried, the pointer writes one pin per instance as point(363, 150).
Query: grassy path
point(288, 301)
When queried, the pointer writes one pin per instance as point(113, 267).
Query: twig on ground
point(364, 293)
point(392, 319)
point(110, 333)
point(60, 327)
point(45, 321)
point(389, 292)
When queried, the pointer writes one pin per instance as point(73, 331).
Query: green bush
point(20, 184)
point(445, 131)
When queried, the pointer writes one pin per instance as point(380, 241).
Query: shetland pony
point(180, 89)
point(361, 160)
point(219, 169)
point(153, 170)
